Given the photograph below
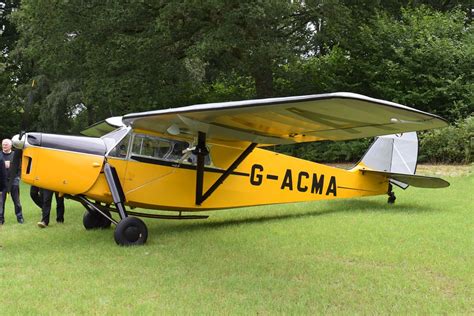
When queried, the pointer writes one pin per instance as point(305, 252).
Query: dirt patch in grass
point(444, 170)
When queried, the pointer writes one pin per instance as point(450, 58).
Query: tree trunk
point(264, 81)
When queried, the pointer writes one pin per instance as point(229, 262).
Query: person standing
point(43, 198)
point(13, 177)
point(3, 178)
point(36, 196)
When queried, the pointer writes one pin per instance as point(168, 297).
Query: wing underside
point(101, 128)
point(336, 116)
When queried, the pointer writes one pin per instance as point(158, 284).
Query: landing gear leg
point(130, 230)
point(391, 194)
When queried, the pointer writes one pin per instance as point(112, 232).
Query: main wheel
point(104, 221)
point(130, 231)
point(93, 219)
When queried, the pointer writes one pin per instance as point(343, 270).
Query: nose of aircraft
point(18, 141)
point(88, 145)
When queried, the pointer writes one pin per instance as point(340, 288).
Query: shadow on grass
point(241, 217)
point(331, 208)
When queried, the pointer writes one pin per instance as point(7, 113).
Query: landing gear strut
point(391, 194)
point(130, 230)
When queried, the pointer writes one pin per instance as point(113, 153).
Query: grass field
point(347, 256)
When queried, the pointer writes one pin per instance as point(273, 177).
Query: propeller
point(15, 163)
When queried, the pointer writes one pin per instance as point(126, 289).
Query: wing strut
point(201, 152)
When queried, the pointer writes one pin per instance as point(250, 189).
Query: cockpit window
point(120, 151)
point(112, 138)
point(177, 151)
point(165, 149)
point(150, 146)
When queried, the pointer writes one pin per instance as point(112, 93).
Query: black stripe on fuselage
point(80, 144)
point(174, 164)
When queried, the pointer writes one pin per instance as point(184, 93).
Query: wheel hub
point(132, 233)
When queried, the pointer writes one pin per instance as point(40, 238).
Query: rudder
point(396, 153)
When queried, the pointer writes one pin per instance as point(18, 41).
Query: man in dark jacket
point(3, 177)
point(13, 178)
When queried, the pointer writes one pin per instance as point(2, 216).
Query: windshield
point(148, 146)
point(112, 138)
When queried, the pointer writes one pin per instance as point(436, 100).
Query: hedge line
point(452, 144)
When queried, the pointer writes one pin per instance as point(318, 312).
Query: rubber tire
point(91, 220)
point(131, 231)
point(104, 221)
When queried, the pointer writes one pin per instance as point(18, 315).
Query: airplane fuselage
point(165, 183)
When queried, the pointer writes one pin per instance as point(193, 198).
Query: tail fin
point(393, 153)
point(395, 156)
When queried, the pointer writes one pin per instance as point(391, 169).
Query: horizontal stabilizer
point(411, 179)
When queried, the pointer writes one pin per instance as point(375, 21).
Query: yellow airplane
point(209, 156)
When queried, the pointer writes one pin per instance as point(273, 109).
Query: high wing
point(333, 116)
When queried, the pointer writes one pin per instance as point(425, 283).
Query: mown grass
point(345, 256)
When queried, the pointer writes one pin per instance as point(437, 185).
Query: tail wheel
point(130, 231)
point(391, 194)
point(391, 199)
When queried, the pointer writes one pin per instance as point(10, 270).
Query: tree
point(248, 39)
point(105, 56)
point(423, 60)
point(9, 102)
point(110, 58)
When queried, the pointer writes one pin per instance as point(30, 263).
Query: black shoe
point(60, 221)
point(21, 220)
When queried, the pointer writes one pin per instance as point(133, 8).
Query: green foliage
point(422, 60)
point(233, 87)
point(324, 74)
point(327, 151)
point(109, 57)
point(10, 122)
point(452, 144)
point(10, 102)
